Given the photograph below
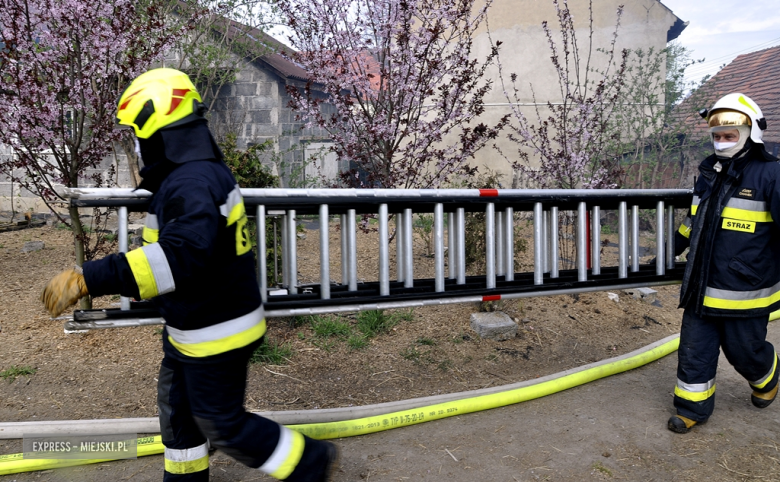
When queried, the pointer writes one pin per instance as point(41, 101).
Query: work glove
point(63, 291)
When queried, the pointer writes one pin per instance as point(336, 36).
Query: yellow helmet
point(158, 99)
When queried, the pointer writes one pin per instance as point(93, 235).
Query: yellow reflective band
point(189, 467)
point(741, 304)
point(142, 272)
point(769, 377)
point(150, 236)
point(694, 396)
point(286, 455)
point(694, 208)
point(745, 215)
point(743, 226)
point(222, 345)
point(236, 212)
point(685, 230)
point(187, 461)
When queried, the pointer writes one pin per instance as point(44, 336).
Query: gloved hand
point(63, 291)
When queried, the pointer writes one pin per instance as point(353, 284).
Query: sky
point(720, 30)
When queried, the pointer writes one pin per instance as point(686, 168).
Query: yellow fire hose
point(11, 464)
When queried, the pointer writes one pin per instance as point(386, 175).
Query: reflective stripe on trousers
point(286, 455)
point(221, 337)
point(767, 378)
point(695, 392)
point(187, 461)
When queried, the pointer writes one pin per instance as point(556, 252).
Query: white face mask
point(722, 146)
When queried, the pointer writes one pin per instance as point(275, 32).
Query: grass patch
point(598, 466)
point(14, 371)
point(375, 322)
point(426, 341)
point(357, 342)
point(324, 345)
point(411, 354)
point(272, 353)
point(329, 326)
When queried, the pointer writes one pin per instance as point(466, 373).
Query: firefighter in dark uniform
point(198, 268)
point(732, 277)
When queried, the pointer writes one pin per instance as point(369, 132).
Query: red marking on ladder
point(491, 298)
point(488, 193)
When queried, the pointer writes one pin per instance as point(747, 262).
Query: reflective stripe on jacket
point(732, 228)
point(196, 263)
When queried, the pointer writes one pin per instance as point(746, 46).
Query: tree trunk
point(78, 243)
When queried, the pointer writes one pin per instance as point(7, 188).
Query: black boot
point(763, 400)
point(680, 424)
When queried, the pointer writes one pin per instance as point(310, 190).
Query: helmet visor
point(729, 118)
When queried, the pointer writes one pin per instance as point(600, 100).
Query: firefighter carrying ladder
point(501, 208)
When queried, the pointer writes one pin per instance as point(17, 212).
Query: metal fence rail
point(449, 207)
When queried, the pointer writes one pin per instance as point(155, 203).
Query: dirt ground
point(112, 373)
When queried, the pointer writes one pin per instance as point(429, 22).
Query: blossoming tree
point(63, 65)
point(403, 89)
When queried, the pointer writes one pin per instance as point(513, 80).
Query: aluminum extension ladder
point(499, 281)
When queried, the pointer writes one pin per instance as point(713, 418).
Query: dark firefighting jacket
point(195, 264)
point(733, 230)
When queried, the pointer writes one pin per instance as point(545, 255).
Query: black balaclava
point(166, 149)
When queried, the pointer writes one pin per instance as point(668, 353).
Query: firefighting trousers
point(743, 341)
point(202, 406)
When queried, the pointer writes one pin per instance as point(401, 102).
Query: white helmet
point(738, 109)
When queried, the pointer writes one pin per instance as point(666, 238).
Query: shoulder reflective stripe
point(286, 455)
point(219, 338)
point(685, 227)
point(233, 209)
point(187, 461)
point(768, 377)
point(151, 271)
point(741, 300)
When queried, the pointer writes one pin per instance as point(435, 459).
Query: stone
point(31, 246)
point(644, 294)
point(495, 325)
